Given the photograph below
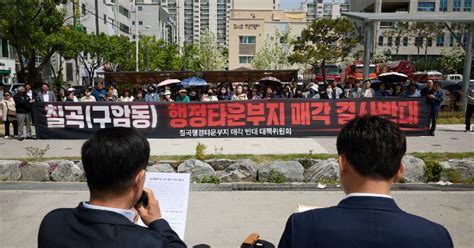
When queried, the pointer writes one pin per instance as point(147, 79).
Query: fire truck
point(356, 71)
point(332, 73)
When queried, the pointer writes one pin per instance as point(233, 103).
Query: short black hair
point(113, 157)
point(45, 84)
point(373, 146)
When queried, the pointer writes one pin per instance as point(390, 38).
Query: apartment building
point(250, 28)
point(316, 9)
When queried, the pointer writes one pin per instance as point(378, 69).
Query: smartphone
point(143, 199)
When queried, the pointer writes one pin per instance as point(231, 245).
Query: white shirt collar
point(127, 213)
point(367, 194)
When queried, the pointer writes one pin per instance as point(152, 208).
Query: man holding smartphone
point(114, 161)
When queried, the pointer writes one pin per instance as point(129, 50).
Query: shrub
point(433, 171)
point(276, 177)
point(201, 151)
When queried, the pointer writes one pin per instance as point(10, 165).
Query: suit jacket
point(39, 97)
point(83, 227)
point(364, 222)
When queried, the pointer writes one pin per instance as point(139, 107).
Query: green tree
point(324, 40)
point(189, 58)
point(451, 60)
point(120, 52)
point(274, 53)
point(34, 28)
point(380, 58)
point(398, 30)
point(424, 32)
point(210, 54)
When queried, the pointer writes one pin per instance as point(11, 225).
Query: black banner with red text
point(274, 118)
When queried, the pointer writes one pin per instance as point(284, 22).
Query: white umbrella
point(168, 82)
point(393, 77)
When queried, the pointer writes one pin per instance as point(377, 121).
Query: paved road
point(449, 138)
point(223, 219)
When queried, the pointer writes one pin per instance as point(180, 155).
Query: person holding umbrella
point(183, 97)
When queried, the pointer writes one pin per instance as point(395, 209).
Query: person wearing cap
point(151, 95)
point(182, 96)
point(71, 97)
point(209, 97)
point(168, 96)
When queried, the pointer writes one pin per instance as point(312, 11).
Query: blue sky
point(289, 4)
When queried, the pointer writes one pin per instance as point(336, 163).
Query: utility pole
point(97, 17)
point(137, 36)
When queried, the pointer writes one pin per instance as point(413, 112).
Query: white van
point(454, 77)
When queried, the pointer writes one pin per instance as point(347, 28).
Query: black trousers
point(7, 127)
point(469, 111)
point(433, 119)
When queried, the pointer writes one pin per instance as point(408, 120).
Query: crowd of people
point(17, 108)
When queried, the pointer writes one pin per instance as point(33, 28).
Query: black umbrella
point(270, 81)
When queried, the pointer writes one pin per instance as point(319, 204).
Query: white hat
point(71, 89)
point(167, 92)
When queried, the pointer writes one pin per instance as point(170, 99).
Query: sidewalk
point(449, 138)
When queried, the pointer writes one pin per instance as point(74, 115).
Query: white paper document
point(172, 192)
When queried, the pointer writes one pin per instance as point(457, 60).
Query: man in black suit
point(114, 161)
point(370, 152)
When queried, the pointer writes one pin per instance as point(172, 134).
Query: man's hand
point(150, 213)
point(431, 96)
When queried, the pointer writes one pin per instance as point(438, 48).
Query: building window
point(124, 28)
point(133, 22)
point(467, 5)
point(247, 39)
point(380, 43)
point(245, 59)
point(456, 5)
point(440, 40)
point(105, 19)
point(426, 6)
point(140, 22)
point(83, 9)
point(405, 41)
point(140, 8)
point(464, 39)
point(69, 72)
point(418, 41)
point(443, 5)
point(397, 41)
point(4, 44)
point(451, 40)
point(389, 41)
point(429, 42)
point(123, 11)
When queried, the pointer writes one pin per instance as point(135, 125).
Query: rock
point(292, 171)
point(197, 168)
point(36, 171)
point(323, 171)
point(174, 164)
point(220, 164)
point(308, 162)
point(414, 169)
point(79, 165)
point(458, 170)
point(10, 170)
point(65, 171)
point(241, 171)
point(161, 167)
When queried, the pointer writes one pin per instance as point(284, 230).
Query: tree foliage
point(324, 40)
point(398, 30)
point(274, 53)
point(210, 54)
point(451, 60)
point(35, 29)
